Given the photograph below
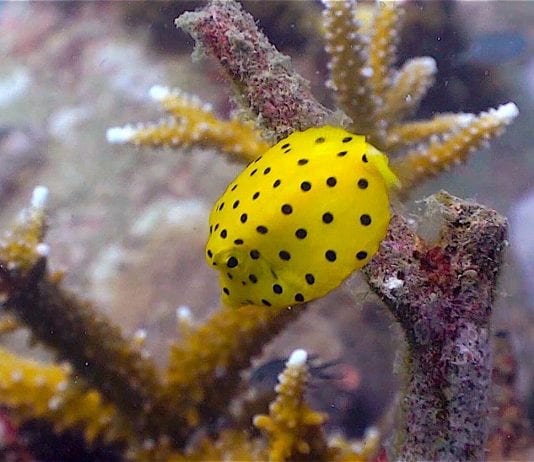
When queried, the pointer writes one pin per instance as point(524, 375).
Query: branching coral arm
point(78, 333)
point(441, 294)
point(440, 154)
point(273, 93)
point(33, 390)
point(191, 123)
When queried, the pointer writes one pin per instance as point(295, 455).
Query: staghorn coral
point(36, 390)
point(294, 430)
point(378, 98)
point(114, 393)
point(373, 97)
point(191, 383)
point(454, 146)
point(191, 122)
point(165, 416)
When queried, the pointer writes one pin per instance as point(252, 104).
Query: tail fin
point(381, 163)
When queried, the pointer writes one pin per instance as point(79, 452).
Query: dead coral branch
point(263, 78)
point(442, 296)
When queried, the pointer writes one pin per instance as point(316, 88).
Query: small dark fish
point(495, 48)
point(266, 375)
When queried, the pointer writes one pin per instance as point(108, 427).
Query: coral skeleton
point(441, 293)
point(508, 425)
point(444, 307)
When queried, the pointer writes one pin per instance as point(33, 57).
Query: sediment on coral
point(508, 424)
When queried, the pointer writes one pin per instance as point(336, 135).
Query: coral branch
point(383, 45)
point(294, 430)
point(442, 293)
point(349, 74)
point(382, 56)
point(508, 425)
point(191, 122)
point(439, 155)
point(267, 86)
point(94, 347)
point(230, 445)
point(204, 369)
point(411, 83)
point(416, 132)
point(33, 390)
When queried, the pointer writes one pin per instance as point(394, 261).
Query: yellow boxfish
point(298, 220)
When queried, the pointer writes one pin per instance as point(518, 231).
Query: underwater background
point(128, 225)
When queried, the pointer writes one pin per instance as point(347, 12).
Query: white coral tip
point(465, 119)
point(140, 335)
point(39, 197)
point(159, 92)
point(297, 358)
point(507, 112)
point(429, 63)
point(372, 433)
point(120, 135)
point(366, 72)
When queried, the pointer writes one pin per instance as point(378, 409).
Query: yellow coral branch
point(22, 246)
point(383, 46)
point(204, 369)
point(292, 427)
point(415, 132)
point(426, 161)
point(229, 445)
point(192, 122)
point(34, 390)
point(410, 84)
point(349, 74)
point(84, 336)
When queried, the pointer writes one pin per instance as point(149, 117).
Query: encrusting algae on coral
point(175, 414)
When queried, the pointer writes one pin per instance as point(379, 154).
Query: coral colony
point(441, 293)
